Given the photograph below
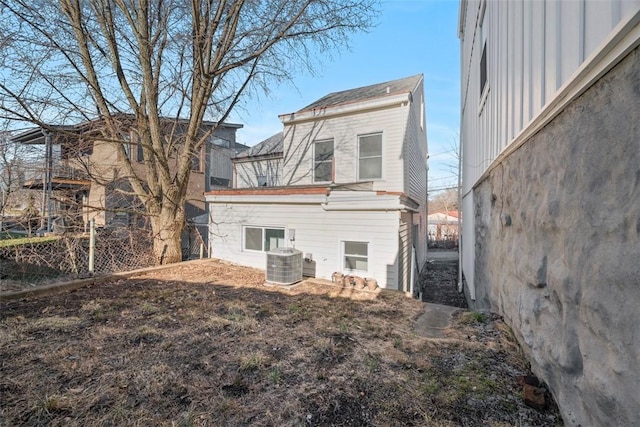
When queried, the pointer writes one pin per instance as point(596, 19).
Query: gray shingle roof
point(271, 145)
point(377, 90)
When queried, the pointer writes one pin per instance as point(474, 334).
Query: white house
point(345, 183)
point(550, 145)
point(442, 227)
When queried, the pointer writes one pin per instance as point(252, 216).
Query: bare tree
point(446, 200)
point(77, 60)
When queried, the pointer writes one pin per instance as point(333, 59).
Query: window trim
point(358, 158)
point(332, 160)
point(484, 61)
point(263, 228)
point(343, 253)
point(197, 161)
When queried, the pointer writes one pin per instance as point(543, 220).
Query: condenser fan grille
point(284, 266)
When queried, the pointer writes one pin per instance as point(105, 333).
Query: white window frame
point(332, 160)
point(127, 145)
point(344, 254)
point(262, 240)
point(358, 158)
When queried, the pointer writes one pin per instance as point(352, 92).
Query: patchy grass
point(211, 345)
point(12, 239)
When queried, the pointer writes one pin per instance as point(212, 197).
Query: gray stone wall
point(558, 250)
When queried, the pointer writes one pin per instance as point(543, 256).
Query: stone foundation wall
point(558, 250)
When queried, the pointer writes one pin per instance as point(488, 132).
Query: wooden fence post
point(92, 244)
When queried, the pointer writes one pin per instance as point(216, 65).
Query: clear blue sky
point(412, 37)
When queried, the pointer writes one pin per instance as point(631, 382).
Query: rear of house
point(345, 183)
point(550, 138)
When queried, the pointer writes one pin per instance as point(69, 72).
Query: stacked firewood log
point(355, 282)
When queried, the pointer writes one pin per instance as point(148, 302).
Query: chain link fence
point(194, 242)
point(26, 263)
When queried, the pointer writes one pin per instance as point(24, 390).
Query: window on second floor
point(483, 45)
point(219, 182)
point(370, 156)
point(140, 153)
point(196, 161)
point(220, 142)
point(323, 161)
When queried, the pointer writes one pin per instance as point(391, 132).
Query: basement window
point(356, 256)
point(262, 239)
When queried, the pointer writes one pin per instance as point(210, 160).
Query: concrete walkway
point(435, 319)
point(442, 255)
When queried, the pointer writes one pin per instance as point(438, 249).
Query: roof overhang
point(58, 184)
point(328, 198)
point(346, 108)
point(36, 136)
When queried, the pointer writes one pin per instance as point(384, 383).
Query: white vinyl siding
point(258, 173)
point(533, 49)
point(262, 238)
point(415, 155)
point(392, 122)
point(538, 52)
point(318, 232)
point(370, 157)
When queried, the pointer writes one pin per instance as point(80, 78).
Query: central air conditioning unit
point(284, 266)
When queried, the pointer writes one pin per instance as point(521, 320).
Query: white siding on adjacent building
point(415, 159)
point(247, 173)
point(534, 48)
point(317, 232)
point(539, 55)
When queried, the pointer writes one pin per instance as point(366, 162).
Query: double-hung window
point(140, 153)
point(483, 46)
point(323, 161)
point(356, 256)
point(262, 238)
point(370, 156)
point(127, 145)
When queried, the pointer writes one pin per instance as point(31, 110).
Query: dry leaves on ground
point(209, 344)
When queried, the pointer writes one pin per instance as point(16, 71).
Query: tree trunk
point(167, 231)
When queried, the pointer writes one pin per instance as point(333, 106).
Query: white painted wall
point(540, 54)
point(344, 130)
point(247, 172)
point(534, 49)
point(317, 232)
point(415, 167)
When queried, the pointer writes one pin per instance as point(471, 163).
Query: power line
point(443, 188)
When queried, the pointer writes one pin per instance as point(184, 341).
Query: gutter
point(366, 203)
point(342, 109)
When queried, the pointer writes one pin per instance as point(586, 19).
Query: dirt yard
point(208, 344)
